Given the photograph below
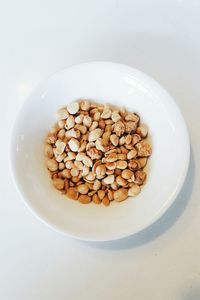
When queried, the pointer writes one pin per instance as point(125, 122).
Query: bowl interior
point(114, 84)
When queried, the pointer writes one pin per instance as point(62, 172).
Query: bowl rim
point(130, 232)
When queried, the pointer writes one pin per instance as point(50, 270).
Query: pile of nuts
point(96, 153)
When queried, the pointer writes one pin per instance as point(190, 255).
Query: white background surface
point(38, 38)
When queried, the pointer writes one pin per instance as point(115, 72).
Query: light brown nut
point(51, 139)
point(134, 190)
point(112, 157)
point(69, 164)
point(120, 195)
point(71, 184)
point(114, 186)
point(73, 132)
point(102, 124)
point(106, 138)
point(108, 128)
point(54, 175)
point(70, 156)
point(110, 195)
point(81, 128)
point(66, 173)
point(109, 122)
point(95, 134)
point(80, 156)
point(58, 183)
point(115, 116)
point(132, 154)
point(73, 108)
point(101, 194)
point(111, 165)
point(54, 130)
point(121, 156)
point(91, 193)
point(74, 172)
point(96, 199)
point(135, 139)
point(90, 177)
point(84, 199)
point(133, 165)
point(83, 189)
point(122, 164)
point(96, 116)
point(129, 146)
point(61, 166)
point(52, 164)
point(75, 179)
point(62, 114)
point(131, 127)
point(60, 146)
point(132, 117)
point(123, 150)
point(93, 111)
point(85, 171)
point(128, 139)
point(118, 172)
point(100, 171)
point(93, 126)
point(61, 124)
point(119, 128)
point(109, 179)
point(87, 161)
point(106, 114)
point(93, 153)
point(122, 140)
point(79, 119)
point(121, 181)
point(61, 134)
point(87, 121)
point(48, 150)
point(74, 145)
point(140, 177)
point(79, 165)
point(142, 131)
point(114, 139)
point(123, 112)
point(60, 157)
point(69, 123)
point(97, 185)
point(142, 161)
point(72, 193)
point(99, 145)
point(106, 201)
point(127, 174)
point(82, 146)
point(110, 172)
point(143, 148)
point(85, 105)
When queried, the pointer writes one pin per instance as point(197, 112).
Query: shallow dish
point(112, 83)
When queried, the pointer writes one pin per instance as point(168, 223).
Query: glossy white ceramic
point(110, 83)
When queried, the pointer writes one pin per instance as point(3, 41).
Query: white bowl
point(111, 83)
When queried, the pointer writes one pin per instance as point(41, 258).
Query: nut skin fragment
point(120, 195)
point(72, 193)
point(84, 199)
point(134, 190)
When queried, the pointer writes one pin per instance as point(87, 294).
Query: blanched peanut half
point(106, 201)
point(132, 154)
point(62, 114)
point(73, 108)
point(121, 164)
point(142, 131)
point(112, 157)
point(74, 172)
point(114, 139)
point(110, 195)
point(79, 119)
point(115, 116)
point(106, 114)
point(69, 164)
point(58, 183)
point(96, 199)
point(84, 199)
point(87, 121)
point(69, 123)
point(101, 194)
point(83, 189)
point(127, 174)
point(74, 145)
point(109, 179)
point(143, 148)
point(120, 195)
point(85, 105)
point(100, 170)
point(95, 134)
point(134, 190)
point(121, 181)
